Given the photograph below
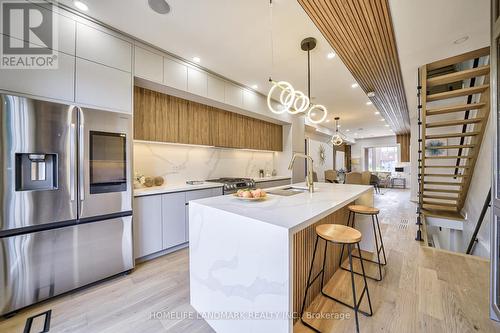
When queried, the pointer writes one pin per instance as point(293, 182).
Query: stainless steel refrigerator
point(65, 198)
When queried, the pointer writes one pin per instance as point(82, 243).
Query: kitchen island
point(249, 260)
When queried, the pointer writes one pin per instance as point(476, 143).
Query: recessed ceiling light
point(196, 59)
point(331, 55)
point(369, 103)
point(80, 5)
point(376, 112)
point(382, 119)
point(347, 130)
point(371, 94)
point(255, 86)
point(159, 6)
point(328, 120)
point(386, 125)
point(313, 114)
point(354, 85)
point(461, 40)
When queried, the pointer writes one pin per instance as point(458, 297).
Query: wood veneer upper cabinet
point(156, 116)
point(164, 118)
point(194, 123)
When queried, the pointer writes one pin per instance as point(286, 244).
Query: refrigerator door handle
point(81, 155)
point(72, 157)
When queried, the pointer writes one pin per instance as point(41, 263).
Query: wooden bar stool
point(373, 212)
point(344, 235)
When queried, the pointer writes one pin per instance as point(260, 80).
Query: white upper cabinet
point(197, 82)
point(48, 83)
point(103, 48)
point(174, 74)
point(103, 86)
point(65, 34)
point(233, 95)
point(215, 88)
point(148, 65)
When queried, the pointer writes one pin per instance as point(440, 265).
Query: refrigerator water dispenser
point(36, 172)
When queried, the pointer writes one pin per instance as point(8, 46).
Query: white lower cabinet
point(173, 219)
point(161, 221)
point(147, 225)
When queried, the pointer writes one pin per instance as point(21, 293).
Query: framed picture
point(432, 147)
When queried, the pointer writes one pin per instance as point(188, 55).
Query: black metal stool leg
point(349, 249)
point(381, 240)
point(376, 249)
point(366, 284)
point(309, 283)
point(343, 245)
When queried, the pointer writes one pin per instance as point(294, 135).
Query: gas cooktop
point(232, 185)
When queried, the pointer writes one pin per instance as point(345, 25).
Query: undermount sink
point(288, 191)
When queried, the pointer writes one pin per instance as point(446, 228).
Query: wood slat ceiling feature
point(362, 34)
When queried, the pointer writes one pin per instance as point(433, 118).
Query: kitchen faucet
point(309, 177)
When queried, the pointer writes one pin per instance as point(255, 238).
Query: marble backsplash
point(178, 163)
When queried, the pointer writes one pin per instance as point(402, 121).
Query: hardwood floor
point(424, 290)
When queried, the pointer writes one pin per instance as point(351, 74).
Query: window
point(381, 158)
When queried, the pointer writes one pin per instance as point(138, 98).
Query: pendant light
point(337, 139)
point(294, 101)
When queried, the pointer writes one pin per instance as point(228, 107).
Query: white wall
point(480, 184)
point(314, 144)
point(178, 163)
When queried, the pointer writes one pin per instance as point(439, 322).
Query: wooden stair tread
point(446, 157)
point(438, 203)
point(447, 166)
point(451, 135)
point(485, 51)
point(457, 93)
point(454, 108)
point(443, 183)
point(458, 76)
point(457, 147)
point(440, 190)
point(453, 122)
point(440, 197)
point(442, 214)
point(451, 175)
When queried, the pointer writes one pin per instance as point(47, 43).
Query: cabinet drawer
point(199, 194)
point(54, 83)
point(103, 86)
point(148, 65)
point(103, 48)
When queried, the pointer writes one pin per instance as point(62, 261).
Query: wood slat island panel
point(303, 247)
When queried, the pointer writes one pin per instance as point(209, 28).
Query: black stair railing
point(473, 239)
point(467, 113)
point(420, 159)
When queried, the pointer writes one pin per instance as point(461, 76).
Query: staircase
point(454, 108)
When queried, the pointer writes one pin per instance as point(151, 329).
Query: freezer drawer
point(40, 265)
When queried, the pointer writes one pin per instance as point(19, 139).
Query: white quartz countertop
point(291, 212)
point(169, 188)
point(271, 178)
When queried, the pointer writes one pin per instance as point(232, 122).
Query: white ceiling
point(232, 38)
point(426, 29)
